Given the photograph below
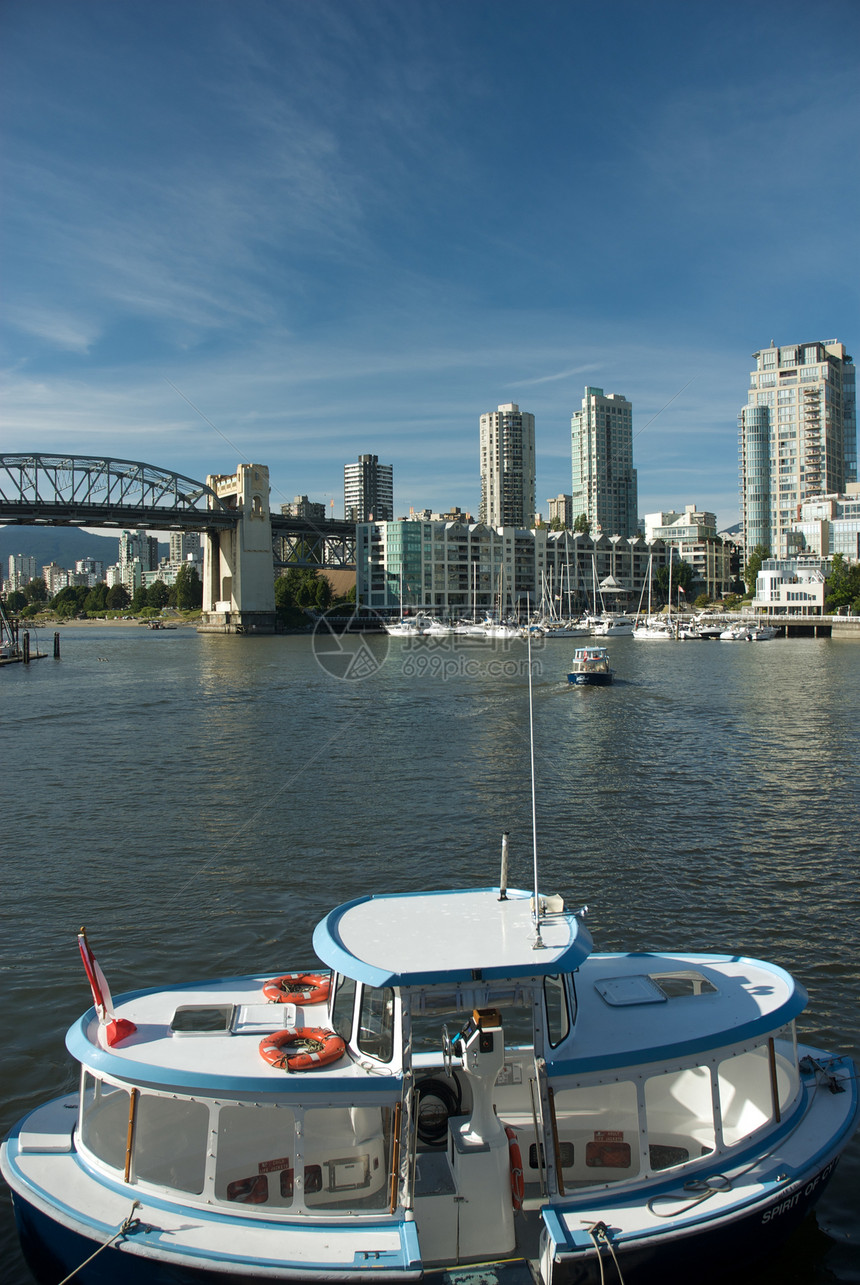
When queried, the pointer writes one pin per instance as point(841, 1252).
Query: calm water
point(200, 802)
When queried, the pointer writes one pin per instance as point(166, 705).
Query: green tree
point(582, 524)
point(117, 597)
point(15, 601)
point(138, 598)
point(668, 580)
point(157, 595)
point(96, 599)
point(301, 587)
point(36, 590)
point(557, 524)
point(188, 587)
point(757, 555)
point(70, 601)
point(843, 585)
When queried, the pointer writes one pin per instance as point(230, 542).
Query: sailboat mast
point(538, 942)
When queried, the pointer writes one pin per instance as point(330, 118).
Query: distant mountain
point(63, 545)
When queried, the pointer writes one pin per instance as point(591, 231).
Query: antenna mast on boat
point(538, 942)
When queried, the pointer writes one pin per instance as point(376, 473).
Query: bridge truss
point(78, 490)
point(303, 543)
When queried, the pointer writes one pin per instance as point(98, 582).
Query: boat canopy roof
point(424, 938)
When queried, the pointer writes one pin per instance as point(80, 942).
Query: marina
point(235, 890)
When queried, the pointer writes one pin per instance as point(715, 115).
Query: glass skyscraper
point(797, 435)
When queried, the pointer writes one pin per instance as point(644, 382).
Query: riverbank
point(172, 622)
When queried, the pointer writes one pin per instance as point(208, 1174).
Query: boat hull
point(52, 1251)
point(704, 1251)
point(707, 1250)
point(590, 680)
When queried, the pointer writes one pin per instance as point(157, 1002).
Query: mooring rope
point(599, 1234)
point(129, 1225)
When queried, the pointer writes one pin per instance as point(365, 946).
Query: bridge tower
point(238, 582)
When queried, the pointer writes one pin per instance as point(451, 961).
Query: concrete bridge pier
point(238, 584)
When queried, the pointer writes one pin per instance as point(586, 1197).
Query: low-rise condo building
point(459, 568)
point(791, 586)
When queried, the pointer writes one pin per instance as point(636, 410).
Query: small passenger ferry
point(590, 666)
point(463, 1081)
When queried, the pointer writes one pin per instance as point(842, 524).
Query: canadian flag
point(112, 1029)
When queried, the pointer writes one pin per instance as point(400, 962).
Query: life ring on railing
point(317, 1048)
point(298, 988)
point(518, 1182)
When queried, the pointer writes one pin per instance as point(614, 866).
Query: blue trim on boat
point(325, 1081)
point(329, 946)
point(66, 1247)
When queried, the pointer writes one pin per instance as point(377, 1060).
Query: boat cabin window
point(343, 1007)
point(679, 1117)
point(557, 1018)
point(756, 1086)
point(104, 1119)
point(598, 1133)
point(170, 1138)
point(347, 1150)
point(256, 1155)
point(376, 1022)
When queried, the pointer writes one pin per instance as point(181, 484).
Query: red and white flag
point(112, 1029)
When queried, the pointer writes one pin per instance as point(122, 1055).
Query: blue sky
point(354, 226)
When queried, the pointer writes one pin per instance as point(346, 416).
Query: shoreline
point(97, 621)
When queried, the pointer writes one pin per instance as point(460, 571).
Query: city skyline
point(287, 234)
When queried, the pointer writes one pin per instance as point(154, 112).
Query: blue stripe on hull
point(52, 1251)
point(704, 1253)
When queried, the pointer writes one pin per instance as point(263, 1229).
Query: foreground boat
point(468, 1084)
point(590, 667)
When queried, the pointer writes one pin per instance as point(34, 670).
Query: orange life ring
point(319, 1047)
point(298, 988)
point(518, 1182)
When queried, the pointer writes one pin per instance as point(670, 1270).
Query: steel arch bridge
point(79, 490)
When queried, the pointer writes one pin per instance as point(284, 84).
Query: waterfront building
point(91, 570)
point(797, 435)
point(368, 490)
point(55, 578)
point(792, 586)
point(826, 524)
point(138, 545)
point(560, 511)
point(604, 484)
point(185, 547)
point(507, 444)
point(22, 569)
point(692, 538)
point(302, 507)
point(452, 569)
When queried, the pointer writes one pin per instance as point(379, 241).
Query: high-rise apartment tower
point(604, 485)
point(368, 490)
point(797, 435)
point(508, 467)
